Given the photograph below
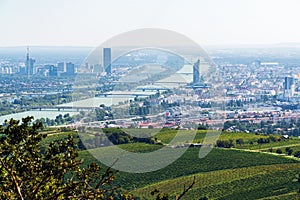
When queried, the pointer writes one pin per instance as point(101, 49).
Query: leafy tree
point(297, 154)
point(202, 127)
point(289, 151)
point(279, 151)
point(225, 143)
point(228, 124)
point(239, 141)
point(102, 114)
point(26, 173)
point(263, 140)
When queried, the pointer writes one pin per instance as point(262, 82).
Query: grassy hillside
point(240, 173)
point(167, 135)
point(190, 164)
point(249, 182)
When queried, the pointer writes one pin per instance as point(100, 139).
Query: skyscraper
point(52, 70)
point(70, 69)
point(107, 60)
point(29, 64)
point(61, 67)
point(196, 72)
point(288, 87)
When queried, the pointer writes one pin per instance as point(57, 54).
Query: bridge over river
point(61, 108)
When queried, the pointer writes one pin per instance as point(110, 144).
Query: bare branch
point(186, 189)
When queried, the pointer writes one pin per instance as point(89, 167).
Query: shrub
point(279, 151)
point(297, 154)
point(288, 151)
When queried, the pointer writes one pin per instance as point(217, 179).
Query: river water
point(51, 114)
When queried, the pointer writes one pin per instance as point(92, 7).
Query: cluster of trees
point(269, 139)
point(114, 136)
point(230, 143)
point(103, 113)
point(59, 120)
point(288, 151)
point(6, 107)
point(263, 140)
point(202, 127)
point(26, 173)
point(224, 143)
point(297, 154)
point(118, 136)
point(136, 109)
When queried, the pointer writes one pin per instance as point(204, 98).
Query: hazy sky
point(90, 22)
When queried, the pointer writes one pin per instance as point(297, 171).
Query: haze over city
point(89, 23)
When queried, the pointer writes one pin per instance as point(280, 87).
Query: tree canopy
point(27, 172)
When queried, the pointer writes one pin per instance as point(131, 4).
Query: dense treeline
point(241, 142)
point(59, 120)
point(115, 136)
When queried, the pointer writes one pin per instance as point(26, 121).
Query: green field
point(253, 182)
point(58, 136)
point(284, 143)
point(166, 136)
point(243, 172)
point(249, 139)
point(221, 167)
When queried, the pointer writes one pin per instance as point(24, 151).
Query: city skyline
point(80, 23)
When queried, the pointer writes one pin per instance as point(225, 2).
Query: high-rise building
point(288, 87)
point(52, 70)
point(29, 64)
point(107, 60)
point(70, 69)
point(196, 72)
point(61, 67)
point(27, 61)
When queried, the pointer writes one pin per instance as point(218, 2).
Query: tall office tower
point(70, 69)
point(27, 58)
point(288, 87)
point(52, 70)
point(61, 67)
point(29, 64)
point(107, 60)
point(196, 72)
